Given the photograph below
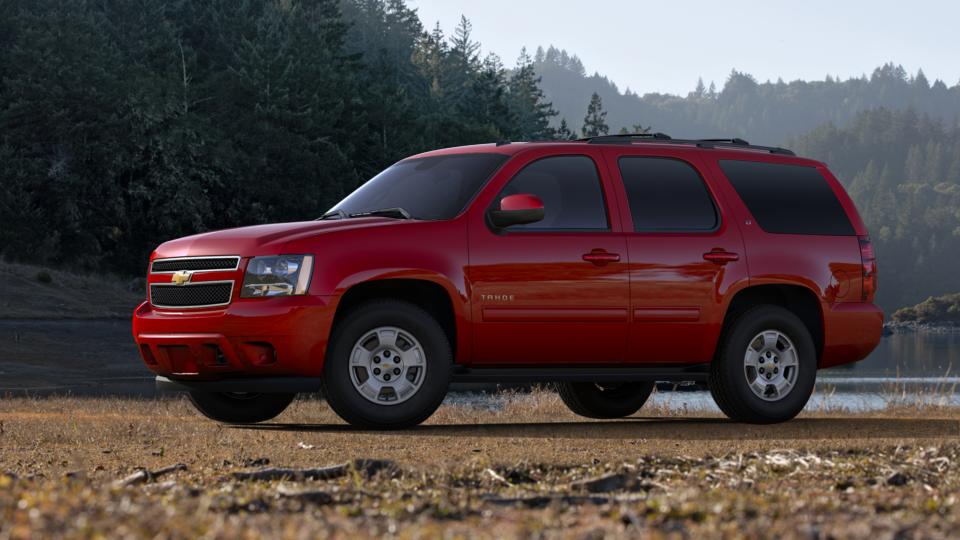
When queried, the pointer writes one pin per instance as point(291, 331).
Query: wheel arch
point(800, 300)
point(432, 295)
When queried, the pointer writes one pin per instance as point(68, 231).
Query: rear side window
point(569, 187)
point(788, 199)
point(666, 195)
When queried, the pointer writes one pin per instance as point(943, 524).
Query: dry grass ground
point(514, 472)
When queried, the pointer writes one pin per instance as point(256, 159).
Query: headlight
point(282, 275)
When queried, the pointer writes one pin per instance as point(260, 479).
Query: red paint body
point(613, 297)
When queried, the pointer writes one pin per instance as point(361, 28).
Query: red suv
point(601, 265)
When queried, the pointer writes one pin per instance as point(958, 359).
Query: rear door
point(553, 292)
point(683, 254)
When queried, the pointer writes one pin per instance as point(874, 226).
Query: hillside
point(903, 171)
point(761, 112)
point(32, 292)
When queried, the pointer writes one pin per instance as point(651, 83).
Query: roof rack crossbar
point(735, 142)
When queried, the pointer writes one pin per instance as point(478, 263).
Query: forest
point(903, 171)
point(123, 124)
point(771, 112)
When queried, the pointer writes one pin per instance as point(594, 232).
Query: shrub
point(940, 309)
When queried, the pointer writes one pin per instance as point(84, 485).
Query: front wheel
point(238, 407)
point(766, 367)
point(388, 365)
point(604, 400)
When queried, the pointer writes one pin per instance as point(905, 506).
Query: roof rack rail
point(735, 140)
point(625, 138)
point(740, 143)
point(628, 138)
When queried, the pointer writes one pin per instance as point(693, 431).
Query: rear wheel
point(605, 400)
point(239, 407)
point(388, 365)
point(766, 367)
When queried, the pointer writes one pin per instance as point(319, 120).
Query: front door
point(683, 256)
point(555, 291)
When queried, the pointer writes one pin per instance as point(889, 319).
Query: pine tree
point(700, 91)
point(530, 109)
point(563, 132)
point(463, 59)
point(594, 123)
point(487, 115)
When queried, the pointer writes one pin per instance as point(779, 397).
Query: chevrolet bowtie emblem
point(182, 277)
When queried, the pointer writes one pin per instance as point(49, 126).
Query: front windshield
point(433, 188)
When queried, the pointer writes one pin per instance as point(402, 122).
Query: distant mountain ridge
point(763, 113)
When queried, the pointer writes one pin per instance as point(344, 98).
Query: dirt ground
point(527, 469)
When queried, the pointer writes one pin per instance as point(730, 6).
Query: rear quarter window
point(788, 199)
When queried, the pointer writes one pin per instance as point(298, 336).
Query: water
point(914, 354)
point(916, 368)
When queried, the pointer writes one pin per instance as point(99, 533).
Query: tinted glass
point(427, 188)
point(666, 195)
point(570, 190)
point(788, 199)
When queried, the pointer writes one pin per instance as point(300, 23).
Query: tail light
point(869, 261)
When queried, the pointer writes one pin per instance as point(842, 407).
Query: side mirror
point(517, 210)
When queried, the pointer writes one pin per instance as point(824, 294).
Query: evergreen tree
point(700, 91)
point(462, 61)
point(594, 123)
point(530, 109)
point(563, 132)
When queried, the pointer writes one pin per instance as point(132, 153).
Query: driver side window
point(569, 187)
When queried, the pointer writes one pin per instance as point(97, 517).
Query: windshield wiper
point(338, 214)
point(398, 213)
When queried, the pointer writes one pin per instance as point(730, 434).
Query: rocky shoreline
point(905, 327)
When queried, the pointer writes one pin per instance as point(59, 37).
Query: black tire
point(594, 400)
point(728, 381)
point(338, 386)
point(240, 408)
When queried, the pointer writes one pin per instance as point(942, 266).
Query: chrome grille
point(194, 264)
point(192, 295)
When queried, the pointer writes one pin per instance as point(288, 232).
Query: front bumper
point(274, 337)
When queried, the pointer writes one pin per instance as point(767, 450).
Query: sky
point(664, 46)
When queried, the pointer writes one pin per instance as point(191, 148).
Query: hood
point(261, 239)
